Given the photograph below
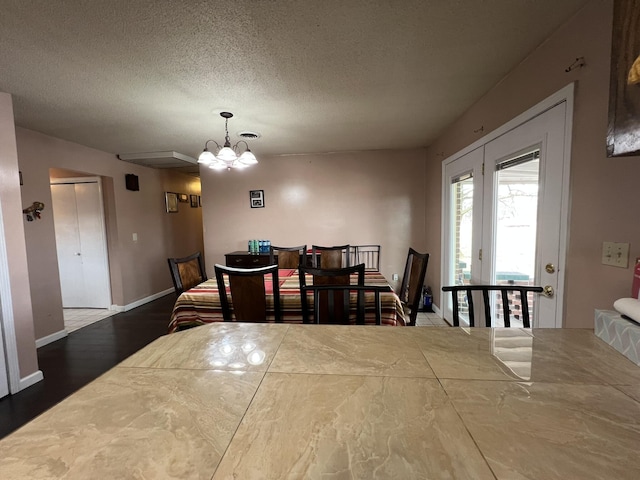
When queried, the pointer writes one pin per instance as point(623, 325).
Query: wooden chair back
point(369, 255)
point(331, 257)
point(336, 311)
point(248, 288)
point(187, 272)
point(507, 309)
point(288, 257)
point(337, 293)
point(412, 282)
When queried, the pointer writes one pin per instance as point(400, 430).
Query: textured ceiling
point(129, 76)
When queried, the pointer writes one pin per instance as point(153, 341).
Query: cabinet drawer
point(247, 260)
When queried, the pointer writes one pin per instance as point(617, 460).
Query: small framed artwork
point(256, 197)
point(171, 201)
point(199, 201)
point(183, 197)
point(194, 201)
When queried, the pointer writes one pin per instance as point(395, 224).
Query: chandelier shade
point(227, 156)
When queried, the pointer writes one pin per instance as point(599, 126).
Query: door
point(505, 226)
point(463, 212)
point(81, 243)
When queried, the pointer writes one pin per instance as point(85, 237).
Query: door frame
point(566, 95)
point(8, 333)
point(105, 246)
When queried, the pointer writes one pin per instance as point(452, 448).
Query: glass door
point(517, 184)
point(504, 217)
point(464, 220)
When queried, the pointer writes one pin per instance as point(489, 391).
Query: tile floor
point(430, 319)
point(75, 318)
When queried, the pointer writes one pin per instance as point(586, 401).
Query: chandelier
point(227, 156)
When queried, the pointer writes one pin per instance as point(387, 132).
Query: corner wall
point(604, 191)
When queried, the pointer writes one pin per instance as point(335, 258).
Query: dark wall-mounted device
point(131, 182)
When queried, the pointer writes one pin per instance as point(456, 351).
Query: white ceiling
point(127, 76)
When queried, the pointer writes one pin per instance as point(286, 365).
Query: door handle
point(548, 291)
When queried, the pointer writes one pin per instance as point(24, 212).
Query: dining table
point(288, 401)
point(201, 305)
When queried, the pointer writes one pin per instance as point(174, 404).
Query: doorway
point(81, 242)
point(505, 214)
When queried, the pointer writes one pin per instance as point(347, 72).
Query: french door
point(505, 215)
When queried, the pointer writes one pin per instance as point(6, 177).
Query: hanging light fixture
point(227, 156)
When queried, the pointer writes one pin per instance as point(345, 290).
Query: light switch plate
point(615, 254)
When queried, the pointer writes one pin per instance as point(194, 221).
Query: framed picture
point(171, 201)
point(183, 197)
point(256, 198)
point(623, 135)
point(194, 201)
point(199, 201)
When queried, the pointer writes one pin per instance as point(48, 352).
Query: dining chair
point(369, 255)
point(342, 293)
point(187, 272)
point(412, 282)
point(516, 307)
point(331, 257)
point(249, 290)
point(338, 311)
point(288, 257)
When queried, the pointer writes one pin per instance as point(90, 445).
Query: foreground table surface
point(279, 401)
point(202, 303)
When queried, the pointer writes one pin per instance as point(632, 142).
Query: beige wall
point(604, 191)
point(12, 219)
point(357, 198)
point(138, 269)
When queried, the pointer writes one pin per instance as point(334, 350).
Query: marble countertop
point(276, 401)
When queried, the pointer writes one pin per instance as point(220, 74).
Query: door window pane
point(462, 201)
point(516, 230)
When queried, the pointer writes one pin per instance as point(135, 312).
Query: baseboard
point(41, 342)
point(142, 301)
point(436, 310)
point(29, 380)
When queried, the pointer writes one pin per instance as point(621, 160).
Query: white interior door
point(507, 224)
point(81, 243)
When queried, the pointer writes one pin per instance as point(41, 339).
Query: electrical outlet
point(394, 276)
point(615, 254)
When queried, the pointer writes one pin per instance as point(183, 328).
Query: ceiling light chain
point(227, 156)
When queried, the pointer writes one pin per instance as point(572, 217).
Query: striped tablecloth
point(201, 304)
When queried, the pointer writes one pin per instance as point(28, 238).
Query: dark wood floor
point(72, 362)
